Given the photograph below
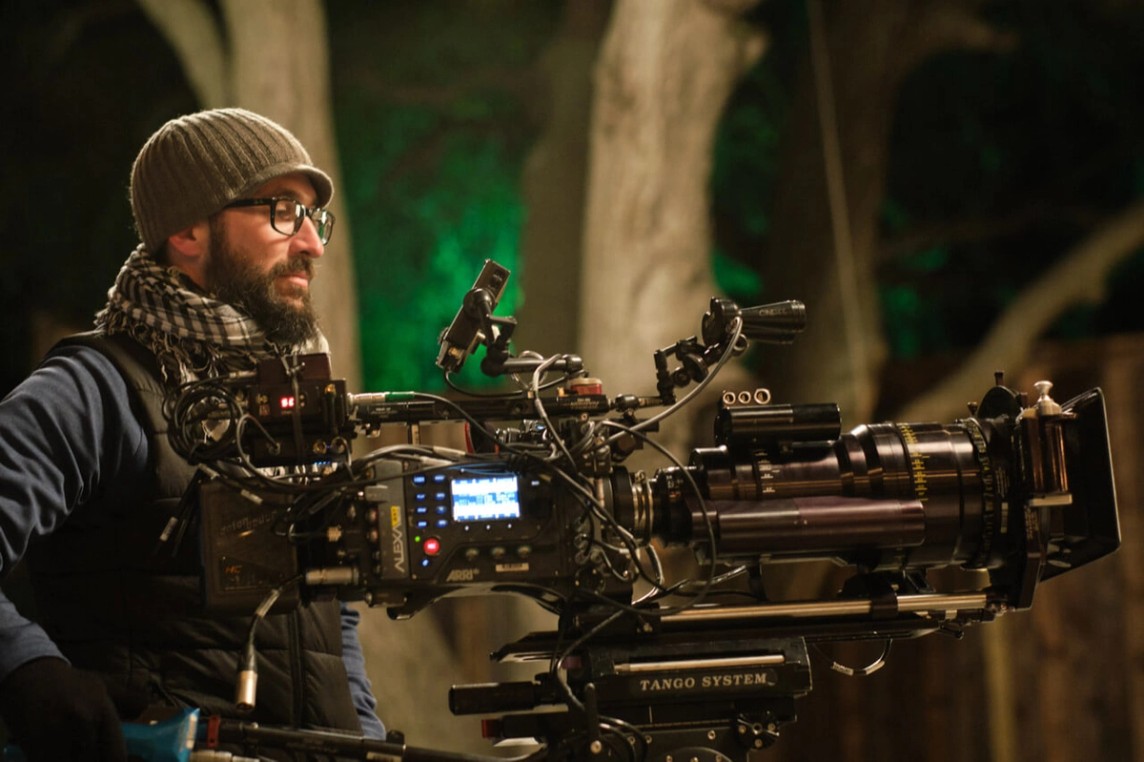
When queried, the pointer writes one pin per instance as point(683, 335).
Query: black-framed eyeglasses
point(287, 214)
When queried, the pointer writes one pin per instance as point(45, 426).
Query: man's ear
point(187, 250)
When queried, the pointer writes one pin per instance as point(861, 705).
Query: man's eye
point(286, 211)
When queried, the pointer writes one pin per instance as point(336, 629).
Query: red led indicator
point(431, 546)
point(286, 403)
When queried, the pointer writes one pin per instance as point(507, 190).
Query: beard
point(240, 283)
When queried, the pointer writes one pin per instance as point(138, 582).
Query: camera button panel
point(476, 525)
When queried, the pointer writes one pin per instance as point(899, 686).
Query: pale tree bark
point(276, 64)
point(824, 242)
point(665, 72)
point(280, 64)
point(553, 186)
point(554, 180)
point(1078, 277)
point(190, 28)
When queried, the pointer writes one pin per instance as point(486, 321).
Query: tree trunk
point(825, 235)
point(554, 181)
point(189, 27)
point(280, 68)
point(665, 72)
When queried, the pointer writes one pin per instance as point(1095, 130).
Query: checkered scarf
point(192, 334)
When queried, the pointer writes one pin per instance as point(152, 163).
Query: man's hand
point(56, 713)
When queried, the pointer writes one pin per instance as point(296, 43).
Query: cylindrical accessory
point(1044, 458)
point(1043, 449)
point(331, 576)
point(758, 427)
point(776, 323)
point(882, 496)
point(246, 691)
point(484, 698)
point(814, 524)
point(585, 386)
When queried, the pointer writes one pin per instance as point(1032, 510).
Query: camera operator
point(232, 219)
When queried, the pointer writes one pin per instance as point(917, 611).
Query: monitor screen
point(486, 498)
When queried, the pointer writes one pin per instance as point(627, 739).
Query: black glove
point(56, 713)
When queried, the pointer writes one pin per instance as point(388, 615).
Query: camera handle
point(777, 323)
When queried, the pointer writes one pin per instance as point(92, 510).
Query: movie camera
point(540, 505)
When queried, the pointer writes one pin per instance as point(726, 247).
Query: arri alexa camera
point(640, 666)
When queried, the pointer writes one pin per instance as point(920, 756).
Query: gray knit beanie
point(195, 165)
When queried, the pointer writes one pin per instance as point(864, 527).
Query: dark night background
point(999, 162)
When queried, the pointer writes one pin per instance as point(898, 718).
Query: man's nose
point(307, 236)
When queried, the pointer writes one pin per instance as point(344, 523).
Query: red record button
point(431, 546)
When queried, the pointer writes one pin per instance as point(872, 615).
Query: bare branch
point(470, 82)
point(979, 228)
point(1079, 277)
point(731, 7)
point(194, 35)
point(950, 25)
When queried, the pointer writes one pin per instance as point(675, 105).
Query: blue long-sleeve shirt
point(68, 433)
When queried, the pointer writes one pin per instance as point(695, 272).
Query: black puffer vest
point(118, 608)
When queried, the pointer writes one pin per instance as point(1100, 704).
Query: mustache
point(298, 265)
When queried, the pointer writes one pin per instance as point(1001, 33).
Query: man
point(232, 218)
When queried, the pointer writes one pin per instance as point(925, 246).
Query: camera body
point(1022, 496)
point(541, 505)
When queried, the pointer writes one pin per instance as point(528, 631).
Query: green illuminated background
point(435, 114)
point(433, 131)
